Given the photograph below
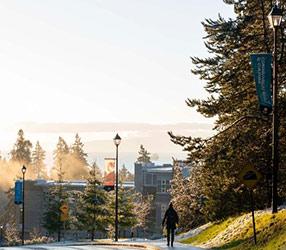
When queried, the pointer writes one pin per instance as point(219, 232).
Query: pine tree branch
point(236, 123)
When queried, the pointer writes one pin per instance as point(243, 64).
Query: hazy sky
point(86, 61)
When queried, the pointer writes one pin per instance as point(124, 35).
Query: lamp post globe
point(24, 169)
point(117, 140)
point(275, 17)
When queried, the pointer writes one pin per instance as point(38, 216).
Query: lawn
point(236, 233)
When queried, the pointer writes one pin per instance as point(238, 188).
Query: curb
point(126, 244)
point(143, 246)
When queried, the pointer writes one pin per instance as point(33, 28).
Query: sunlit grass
point(237, 233)
point(209, 233)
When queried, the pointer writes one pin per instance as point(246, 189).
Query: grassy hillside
point(237, 233)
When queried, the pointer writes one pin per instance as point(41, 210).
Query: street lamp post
point(1, 236)
point(117, 141)
point(23, 203)
point(275, 18)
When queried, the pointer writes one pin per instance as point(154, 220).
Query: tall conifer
point(92, 212)
point(21, 151)
point(38, 164)
point(144, 155)
point(243, 134)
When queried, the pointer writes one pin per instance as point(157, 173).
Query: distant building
point(36, 203)
point(149, 179)
point(155, 180)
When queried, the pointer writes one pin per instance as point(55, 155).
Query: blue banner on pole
point(18, 192)
point(261, 66)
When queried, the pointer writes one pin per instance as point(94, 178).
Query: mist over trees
point(90, 209)
point(77, 150)
point(243, 134)
point(70, 160)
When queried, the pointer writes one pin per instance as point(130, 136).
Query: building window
point(148, 179)
point(163, 186)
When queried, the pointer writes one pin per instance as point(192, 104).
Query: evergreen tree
point(78, 157)
point(144, 155)
point(77, 150)
point(243, 135)
point(185, 198)
point(72, 161)
point(38, 165)
point(61, 152)
point(98, 173)
point(142, 208)
point(21, 151)
point(60, 159)
point(56, 196)
point(127, 217)
point(93, 213)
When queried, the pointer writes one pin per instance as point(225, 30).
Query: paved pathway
point(162, 244)
point(128, 245)
point(70, 247)
point(177, 246)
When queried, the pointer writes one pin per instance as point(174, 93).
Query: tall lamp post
point(1, 235)
point(117, 141)
point(275, 18)
point(23, 203)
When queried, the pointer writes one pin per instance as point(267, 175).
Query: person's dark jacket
point(171, 218)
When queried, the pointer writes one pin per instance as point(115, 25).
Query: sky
point(83, 66)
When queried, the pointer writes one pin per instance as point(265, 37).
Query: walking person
point(171, 218)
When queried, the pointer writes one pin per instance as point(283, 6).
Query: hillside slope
point(237, 233)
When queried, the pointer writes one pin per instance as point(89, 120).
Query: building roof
point(160, 169)
point(74, 183)
point(129, 184)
